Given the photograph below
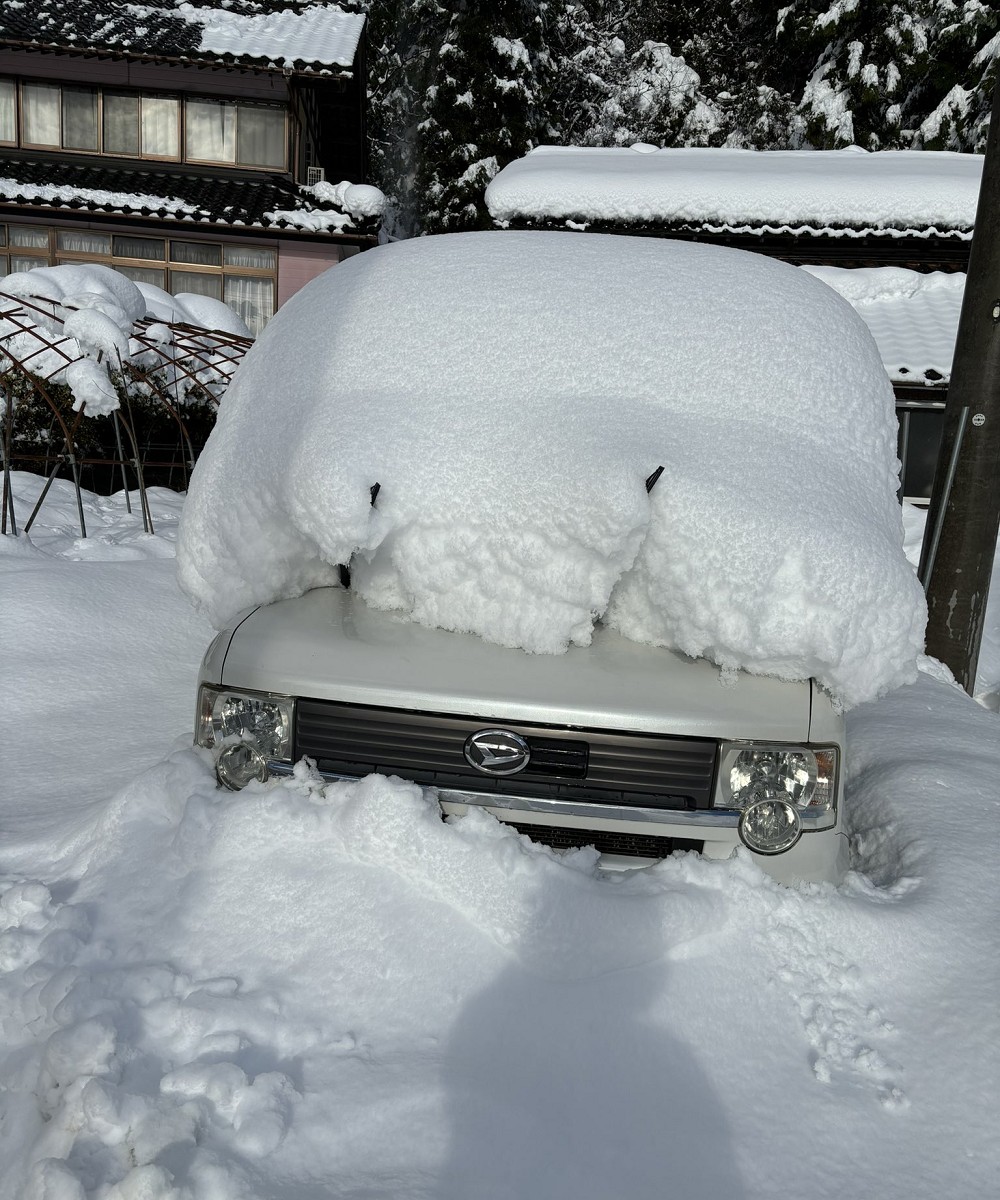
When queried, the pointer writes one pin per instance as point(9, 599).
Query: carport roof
point(848, 193)
point(912, 316)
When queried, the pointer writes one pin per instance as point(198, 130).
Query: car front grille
point(580, 765)
point(605, 841)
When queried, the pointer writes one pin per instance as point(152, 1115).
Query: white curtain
point(8, 111)
point(28, 236)
point(138, 247)
point(79, 114)
point(159, 126)
point(249, 256)
point(83, 242)
point(196, 281)
point(21, 262)
point(142, 275)
point(199, 254)
point(210, 128)
point(261, 137)
point(41, 113)
point(252, 298)
point(121, 124)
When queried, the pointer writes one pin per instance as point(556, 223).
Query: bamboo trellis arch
point(168, 362)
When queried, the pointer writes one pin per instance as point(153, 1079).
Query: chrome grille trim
point(719, 818)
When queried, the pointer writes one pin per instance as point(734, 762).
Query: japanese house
point(216, 150)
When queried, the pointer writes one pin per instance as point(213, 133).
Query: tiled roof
point(309, 38)
point(267, 202)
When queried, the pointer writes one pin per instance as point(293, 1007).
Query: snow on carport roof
point(841, 193)
point(510, 393)
point(912, 315)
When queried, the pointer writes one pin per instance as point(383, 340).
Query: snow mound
point(510, 393)
point(80, 285)
point(188, 308)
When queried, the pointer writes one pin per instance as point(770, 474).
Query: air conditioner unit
point(315, 175)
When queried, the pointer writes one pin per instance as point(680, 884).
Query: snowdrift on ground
point(511, 393)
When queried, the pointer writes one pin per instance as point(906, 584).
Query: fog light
point(770, 827)
point(240, 764)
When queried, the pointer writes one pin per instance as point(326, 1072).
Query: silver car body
point(328, 645)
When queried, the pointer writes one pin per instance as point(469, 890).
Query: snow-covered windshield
point(510, 393)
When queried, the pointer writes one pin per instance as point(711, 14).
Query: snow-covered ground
point(307, 992)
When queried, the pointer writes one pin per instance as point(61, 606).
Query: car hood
point(329, 645)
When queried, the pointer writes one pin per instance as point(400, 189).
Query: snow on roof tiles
point(913, 317)
point(319, 38)
point(267, 202)
point(321, 33)
point(840, 193)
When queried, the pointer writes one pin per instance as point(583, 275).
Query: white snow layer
point(318, 33)
point(90, 313)
point(301, 992)
point(913, 316)
point(848, 192)
point(510, 393)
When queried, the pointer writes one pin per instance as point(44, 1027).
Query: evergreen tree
point(958, 91)
point(483, 108)
point(588, 61)
point(869, 62)
point(695, 75)
point(404, 39)
point(656, 98)
point(458, 88)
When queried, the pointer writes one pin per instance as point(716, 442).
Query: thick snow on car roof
point(511, 393)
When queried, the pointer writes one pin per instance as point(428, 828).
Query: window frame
point(235, 161)
point(53, 255)
point(22, 115)
point(181, 100)
point(17, 110)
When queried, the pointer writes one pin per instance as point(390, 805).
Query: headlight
point(782, 787)
point(259, 720)
point(770, 826)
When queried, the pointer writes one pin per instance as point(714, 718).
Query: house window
point(159, 124)
point(40, 114)
point(260, 137)
point(121, 124)
point(244, 276)
point(201, 284)
point(29, 237)
point(210, 130)
point(133, 125)
point(8, 112)
point(79, 119)
point(199, 254)
point(84, 242)
point(238, 134)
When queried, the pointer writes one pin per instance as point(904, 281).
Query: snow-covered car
point(598, 534)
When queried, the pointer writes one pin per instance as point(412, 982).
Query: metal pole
point(957, 556)
point(121, 455)
point(8, 487)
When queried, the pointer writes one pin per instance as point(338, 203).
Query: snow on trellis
point(110, 342)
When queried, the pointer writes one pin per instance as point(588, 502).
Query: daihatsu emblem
point(497, 752)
